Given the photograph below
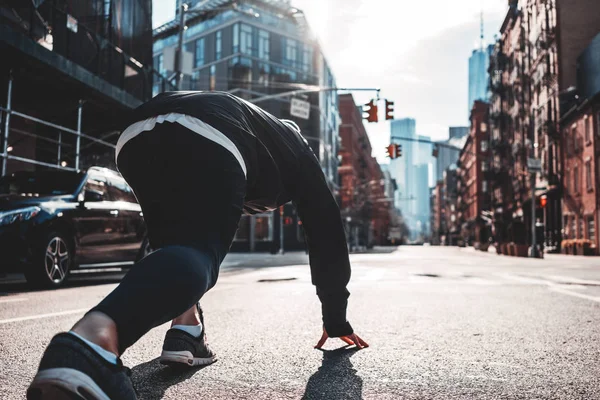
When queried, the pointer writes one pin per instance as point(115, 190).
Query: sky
point(416, 51)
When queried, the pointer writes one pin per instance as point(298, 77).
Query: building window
point(588, 175)
point(263, 228)
point(264, 44)
point(161, 65)
point(484, 186)
point(581, 232)
point(588, 129)
point(290, 48)
point(307, 58)
point(565, 230)
point(573, 227)
point(236, 38)
point(576, 179)
point(213, 78)
point(574, 139)
point(246, 44)
point(591, 229)
point(218, 44)
point(484, 166)
point(484, 145)
point(200, 52)
point(568, 181)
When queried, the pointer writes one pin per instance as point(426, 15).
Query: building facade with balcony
point(580, 127)
point(363, 202)
point(473, 187)
point(510, 137)
point(533, 64)
point(66, 66)
point(253, 49)
point(450, 234)
point(438, 211)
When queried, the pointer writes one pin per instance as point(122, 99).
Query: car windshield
point(42, 183)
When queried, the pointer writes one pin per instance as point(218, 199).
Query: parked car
point(52, 222)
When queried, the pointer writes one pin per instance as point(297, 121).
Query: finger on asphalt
point(362, 342)
point(322, 340)
point(356, 341)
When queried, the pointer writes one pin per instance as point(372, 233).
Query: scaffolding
point(62, 146)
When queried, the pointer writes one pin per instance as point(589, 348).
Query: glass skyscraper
point(411, 172)
point(479, 63)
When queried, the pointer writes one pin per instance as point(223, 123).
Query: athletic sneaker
point(72, 370)
point(182, 348)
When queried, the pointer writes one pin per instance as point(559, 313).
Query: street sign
point(187, 61)
point(534, 165)
point(300, 108)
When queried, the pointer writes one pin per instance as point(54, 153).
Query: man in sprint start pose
point(196, 161)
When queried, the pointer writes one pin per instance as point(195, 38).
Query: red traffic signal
point(391, 151)
point(543, 201)
point(394, 151)
point(389, 110)
point(371, 111)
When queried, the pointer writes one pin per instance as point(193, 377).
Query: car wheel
point(52, 263)
point(145, 249)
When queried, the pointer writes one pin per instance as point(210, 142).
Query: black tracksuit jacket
point(281, 167)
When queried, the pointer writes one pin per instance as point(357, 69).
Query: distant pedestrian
point(196, 161)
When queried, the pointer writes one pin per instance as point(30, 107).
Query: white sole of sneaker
point(64, 383)
point(184, 357)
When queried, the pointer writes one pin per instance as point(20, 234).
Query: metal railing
point(7, 113)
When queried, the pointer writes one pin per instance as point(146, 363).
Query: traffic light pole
point(312, 90)
point(447, 146)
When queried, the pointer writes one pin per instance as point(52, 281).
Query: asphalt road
point(443, 323)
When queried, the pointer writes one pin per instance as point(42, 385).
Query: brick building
point(509, 135)
point(580, 127)
point(473, 187)
point(438, 211)
point(534, 60)
point(363, 202)
point(451, 224)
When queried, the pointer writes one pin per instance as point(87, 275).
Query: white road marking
point(13, 300)
point(568, 279)
point(575, 294)
point(526, 280)
point(558, 288)
point(40, 316)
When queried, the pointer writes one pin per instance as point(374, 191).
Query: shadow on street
point(152, 379)
point(336, 378)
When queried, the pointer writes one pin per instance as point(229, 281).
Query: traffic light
point(389, 110)
point(543, 201)
point(371, 111)
point(394, 151)
point(391, 151)
point(435, 151)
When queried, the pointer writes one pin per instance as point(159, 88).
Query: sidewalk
point(588, 261)
point(257, 260)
